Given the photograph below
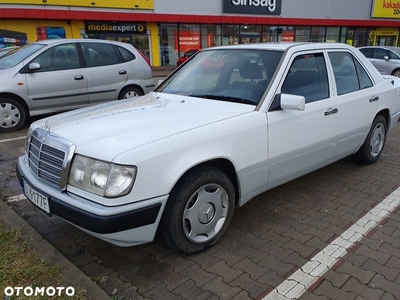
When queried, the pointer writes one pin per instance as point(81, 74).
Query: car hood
point(106, 130)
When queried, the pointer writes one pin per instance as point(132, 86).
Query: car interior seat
point(61, 60)
point(72, 59)
point(250, 71)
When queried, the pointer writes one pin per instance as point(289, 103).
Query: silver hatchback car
point(64, 74)
point(385, 59)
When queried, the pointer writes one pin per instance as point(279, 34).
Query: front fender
point(242, 140)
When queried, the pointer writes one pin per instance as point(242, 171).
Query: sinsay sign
point(262, 7)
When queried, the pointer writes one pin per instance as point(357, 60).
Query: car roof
point(62, 41)
point(286, 45)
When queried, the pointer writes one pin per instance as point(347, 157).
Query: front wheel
point(373, 146)
point(12, 115)
point(198, 211)
point(130, 92)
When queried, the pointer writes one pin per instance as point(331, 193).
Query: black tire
point(130, 92)
point(396, 73)
point(373, 146)
point(12, 115)
point(204, 189)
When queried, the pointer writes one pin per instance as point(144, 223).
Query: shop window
point(332, 34)
point(303, 33)
point(230, 35)
point(210, 35)
point(317, 34)
point(168, 52)
point(250, 34)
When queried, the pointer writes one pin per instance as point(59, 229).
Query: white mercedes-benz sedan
point(230, 123)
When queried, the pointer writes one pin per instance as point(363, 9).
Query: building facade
point(165, 29)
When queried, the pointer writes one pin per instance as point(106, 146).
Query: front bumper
point(123, 225)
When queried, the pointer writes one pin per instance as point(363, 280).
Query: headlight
point(101, 178)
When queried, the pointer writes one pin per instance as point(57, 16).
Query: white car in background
point(180, 159)
point(63, 74)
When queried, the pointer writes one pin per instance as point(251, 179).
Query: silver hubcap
point(131, 94)
point(205, 213)
point(9, 115)
point(397, 74)
point(377, 139)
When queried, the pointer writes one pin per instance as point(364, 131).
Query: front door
point(302, 141)
point(60, 82)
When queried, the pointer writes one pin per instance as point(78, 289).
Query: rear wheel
point(130, 92)
point(396, 73)
point(198, 211)
point(12, 115)
point(373, 146)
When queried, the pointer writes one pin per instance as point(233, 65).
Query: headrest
point(250, 70)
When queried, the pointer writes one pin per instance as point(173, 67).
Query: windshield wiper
point(224, 98)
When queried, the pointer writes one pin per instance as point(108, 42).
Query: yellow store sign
point(386, 9)
point(131, 4)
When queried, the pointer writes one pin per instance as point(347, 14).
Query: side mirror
point(293, 102)
point(386, 57)
point(34, 67)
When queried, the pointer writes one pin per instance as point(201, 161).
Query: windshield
point(14, 57)
point(234, 75)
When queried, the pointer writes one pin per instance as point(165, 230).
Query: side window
point(393, 55)
point(365, 81)
point(61, 57)
point(99, 54)
point(368, 52)
point(126, 54)
point(308, 77)
point(350, 75)
point(380, 53)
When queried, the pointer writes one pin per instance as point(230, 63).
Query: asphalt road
point(332, 234)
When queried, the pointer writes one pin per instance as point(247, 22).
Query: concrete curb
point(72, 276)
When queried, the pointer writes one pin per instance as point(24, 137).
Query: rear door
point(60, 82)
point(356, 98)
point(106, 72)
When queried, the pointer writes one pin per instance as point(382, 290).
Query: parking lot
point(332, 234)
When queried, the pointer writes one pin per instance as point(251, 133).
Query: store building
point(165, 29)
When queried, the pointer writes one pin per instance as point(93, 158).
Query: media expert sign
point(98, 27)
point(386, 9)
point(260, 7)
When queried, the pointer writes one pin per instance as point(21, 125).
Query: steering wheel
point(255, 88)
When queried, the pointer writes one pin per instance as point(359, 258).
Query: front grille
point(46, 162)
point(50, 157)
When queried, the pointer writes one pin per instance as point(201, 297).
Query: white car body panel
point(164, 135)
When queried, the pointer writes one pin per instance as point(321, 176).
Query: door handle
point(122, 72)
point(376, 98)
point(78, 77)
point(331, 112)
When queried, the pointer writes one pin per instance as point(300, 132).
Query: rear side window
point(99, 54)
point(126, 54)
point(350, 76)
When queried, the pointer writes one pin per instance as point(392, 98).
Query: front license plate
point(36, 198)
